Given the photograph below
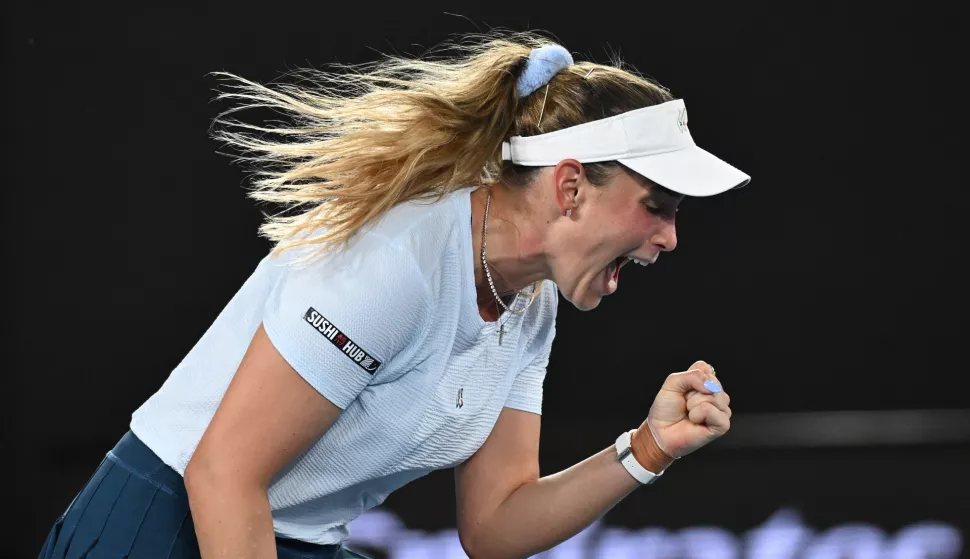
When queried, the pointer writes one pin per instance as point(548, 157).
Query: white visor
point(653, 141)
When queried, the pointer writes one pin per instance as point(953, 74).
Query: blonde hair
point(359, 141)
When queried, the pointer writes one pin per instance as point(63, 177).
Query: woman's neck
point(512, 245)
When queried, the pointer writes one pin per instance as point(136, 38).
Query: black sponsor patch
point(365, 360)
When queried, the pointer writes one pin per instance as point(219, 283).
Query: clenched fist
point(690, 411)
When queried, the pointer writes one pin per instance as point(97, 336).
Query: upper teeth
point(640, 262)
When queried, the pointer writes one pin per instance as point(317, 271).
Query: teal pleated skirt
point(136, 507)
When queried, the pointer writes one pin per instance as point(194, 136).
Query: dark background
point(832, 282)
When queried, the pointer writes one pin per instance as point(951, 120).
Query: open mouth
point(611, 274)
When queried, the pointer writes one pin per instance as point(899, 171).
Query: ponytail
point(363, 141)
point(358, 142)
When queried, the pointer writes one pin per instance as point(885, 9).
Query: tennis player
point(404, 319)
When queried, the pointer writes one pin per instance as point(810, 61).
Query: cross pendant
point(501, 332)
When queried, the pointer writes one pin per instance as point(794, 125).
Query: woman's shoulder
point(434, 231)
point(416, 248)
point(427, 218)
point(429, 225)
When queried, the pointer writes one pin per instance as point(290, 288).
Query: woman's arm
point(505, 510)
point(268, 416)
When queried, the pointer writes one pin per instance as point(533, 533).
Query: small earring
point(569, 213)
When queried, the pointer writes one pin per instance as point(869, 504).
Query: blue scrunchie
point(544, 63)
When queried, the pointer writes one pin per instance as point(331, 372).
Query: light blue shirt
point(387, 329)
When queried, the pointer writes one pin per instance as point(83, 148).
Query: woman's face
point(627, 218)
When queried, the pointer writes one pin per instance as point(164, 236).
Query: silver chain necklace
point(488, 275)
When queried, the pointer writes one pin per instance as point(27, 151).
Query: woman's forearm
point(232, 520)
point(541, 514)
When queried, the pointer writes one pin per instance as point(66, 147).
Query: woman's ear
point(567, 177)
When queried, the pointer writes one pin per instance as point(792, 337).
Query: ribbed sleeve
point(342, 320)
point(526, 392)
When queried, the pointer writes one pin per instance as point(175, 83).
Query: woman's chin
point(585, 299)
point(590, 306)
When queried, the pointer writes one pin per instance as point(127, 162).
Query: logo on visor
point(682, 120)
point(346, 345)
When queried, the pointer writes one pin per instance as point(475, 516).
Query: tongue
point(615, 280)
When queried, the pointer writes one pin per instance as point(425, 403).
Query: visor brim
point(691, 172)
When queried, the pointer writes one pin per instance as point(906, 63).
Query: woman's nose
point(666, 238)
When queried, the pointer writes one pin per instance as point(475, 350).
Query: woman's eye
point(666, 213)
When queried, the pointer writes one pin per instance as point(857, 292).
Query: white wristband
point(629, 461)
